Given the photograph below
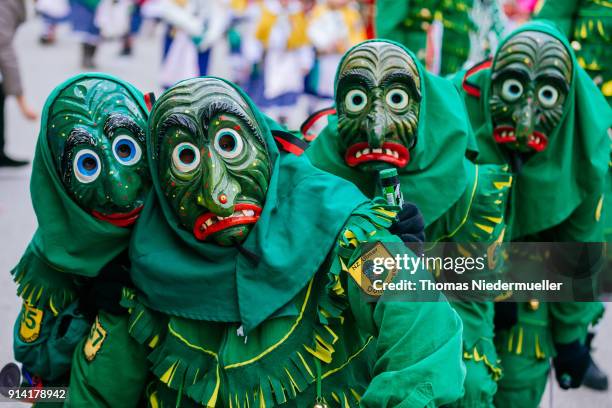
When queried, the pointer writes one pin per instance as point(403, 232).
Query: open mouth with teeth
point(209, 223)
point(119, 219)
point(506, 134)
point(392, 153)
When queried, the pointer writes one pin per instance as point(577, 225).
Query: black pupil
point(227, 143)
point(515, 89)
point(124, 150)
point(357, 100)
point(547, 94)
point(396, 98)
point(187, 156)
point(89, 163)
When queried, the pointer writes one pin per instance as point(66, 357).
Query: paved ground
point(44, 68)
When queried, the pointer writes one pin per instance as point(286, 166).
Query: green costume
point(239, 260)
point(89, 179)
point(391, 112)
point(409, 22)
point(534, 108)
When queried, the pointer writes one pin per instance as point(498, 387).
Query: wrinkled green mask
point(96, 132)
point(531, 78)
point(378, 96)
point(214, 167)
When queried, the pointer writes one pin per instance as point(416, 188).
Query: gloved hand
point(571, 364)
point(506, 315)
point(409, 224)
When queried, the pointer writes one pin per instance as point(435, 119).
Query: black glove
point(571, 364)
point(506, 315)
point(409, 224)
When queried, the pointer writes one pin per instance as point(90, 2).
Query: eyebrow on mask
point(121, 121)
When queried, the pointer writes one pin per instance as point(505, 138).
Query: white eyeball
point(397, 99)
point(126, 150)
point(548, 95)
point(86, 166)
point(185, 157)
point(512, 89)
point(228, 143)
point(355, 100)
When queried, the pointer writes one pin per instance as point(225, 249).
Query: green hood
point(303, 214)
point(554, 182)
point(68, 239)
point(436, 175)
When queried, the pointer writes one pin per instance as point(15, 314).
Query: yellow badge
point(97, 335)
point(365, 269)
point(31, 318)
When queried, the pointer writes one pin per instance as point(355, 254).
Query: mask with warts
point(96, 132)
point(378, 97)
point(214, 167)
point(531, 79)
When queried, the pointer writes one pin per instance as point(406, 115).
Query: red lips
point(507, 134)
point(392, 153)
point(119, 219)
point(211, 223)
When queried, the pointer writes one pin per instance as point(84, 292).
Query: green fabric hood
point(436, 176)
point(552, 183)
point(303, 214)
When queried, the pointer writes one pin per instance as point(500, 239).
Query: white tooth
point(365, 151)
point(357, 155)
point(250, 213)
point(202, 227)
point(396, 155)
point(209, 222)
point(504, 133)
point(376, 150)
point(389, 152)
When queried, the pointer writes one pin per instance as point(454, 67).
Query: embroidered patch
point(363, 270)
point(97, 335)
point(31, 319)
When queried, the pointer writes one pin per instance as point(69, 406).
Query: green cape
point(68, 239)
point(304, 212)
point(436, 175)
point(554, 182)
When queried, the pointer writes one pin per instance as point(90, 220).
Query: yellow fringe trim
point(497, 371)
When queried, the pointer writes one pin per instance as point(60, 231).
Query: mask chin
point(231, 236)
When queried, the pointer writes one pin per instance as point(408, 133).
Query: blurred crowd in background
point(282, 51)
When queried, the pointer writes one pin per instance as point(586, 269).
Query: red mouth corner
point(211, 223)
point(392, 153)
point(506, 134)
point(119, 219)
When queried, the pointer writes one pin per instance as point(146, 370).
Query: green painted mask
point(96, 132)
point(378, 96)
point(214, 167)
point(531, 78)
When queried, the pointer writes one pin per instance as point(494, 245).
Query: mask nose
point(218, 191)
point(525, 119)
point(376, 124)
point(121, 188)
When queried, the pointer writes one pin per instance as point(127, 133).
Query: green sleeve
point(390, 15)
point(418, 349)
point(561, 12)
point(571, 320)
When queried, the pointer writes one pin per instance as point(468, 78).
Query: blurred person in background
point(135, 23)
point(437, 31)
point(194, 27)
point(287, 55)
point(83, 22)
point(52, 12)
point(12, 14)
point(334, 27)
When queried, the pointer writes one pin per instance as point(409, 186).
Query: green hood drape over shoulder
point(436, 176)
point(68, 240)
point(303, 214)
point(554, 182)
